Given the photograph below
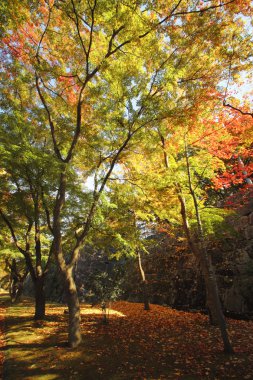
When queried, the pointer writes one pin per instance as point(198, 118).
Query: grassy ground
point(159, 344)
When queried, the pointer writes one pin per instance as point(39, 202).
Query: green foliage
point(215, 223)
point(104, 286)
point(121, 94)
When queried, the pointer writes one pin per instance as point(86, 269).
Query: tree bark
point(200, 251)
point(144, 285)
point(74, 334)
point(145, 295)
point(40, 299)
point(213, 299)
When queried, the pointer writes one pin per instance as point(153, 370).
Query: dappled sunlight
point(90, 310)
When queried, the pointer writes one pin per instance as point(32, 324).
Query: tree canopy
point(125, 105)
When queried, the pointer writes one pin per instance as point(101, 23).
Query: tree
point(198, 247)
point(23, 207)
point(17, 278)
point(179, 169)
point(234, 181)
point(77, 54)
point(51, 88)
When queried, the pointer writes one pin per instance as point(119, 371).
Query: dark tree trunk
point(213, 301)
point(12, 289)
point(16, 283)
point(40, 300)
point(19, 291)
point(145, 295)
point(74, 335)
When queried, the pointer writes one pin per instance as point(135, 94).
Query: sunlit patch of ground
point(88, 309)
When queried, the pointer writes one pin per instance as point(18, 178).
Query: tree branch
point(78, 29)
point(237, 109)
point(21, 250)
point(43, 34)
point(46, 211)
point(51, 123)
point(183, 13)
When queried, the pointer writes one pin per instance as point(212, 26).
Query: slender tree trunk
point(144, 286)
point(12, 289)
point(199, 248)
point(213, 300)
point(20, 288)
point(16, 283)
point(145, 295)
point(74, 335)
point(201, 254)
point(40, 299)
point(19, 291)
point(210, 280)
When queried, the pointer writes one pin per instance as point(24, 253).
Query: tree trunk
point(19, 291)
point(12, 289)
point(145, 295)
point(40, 300)
point(74, 335)
point(144, 286)
point(213, 299)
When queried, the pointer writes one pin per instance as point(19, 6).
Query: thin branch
point(114, 34)
point(183, 13)
point(91, 34)
point(21, 250)
point(51, 123)
point(237, 109)
point(46, 211)
point(43, 34)
point(162, 21)
point(78, 29)
point(109, 53)
point(54, 92)
point(165, 155)
point(11, 229)
point(192, 192)
point(27, 245)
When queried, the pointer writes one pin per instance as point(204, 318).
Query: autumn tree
point(235, 181)
point(74, 90)
point(23, 207)
point(98, 105)
point(184, 158)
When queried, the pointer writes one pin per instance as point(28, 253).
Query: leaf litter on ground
point(162, 343)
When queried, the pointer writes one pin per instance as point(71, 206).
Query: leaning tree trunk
point(199, 248)
point(210, 280)
point(40, 299)
point(74, 335)
point(144, 285)
point(213, 300)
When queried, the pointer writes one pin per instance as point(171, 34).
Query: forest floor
point(158, 344)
